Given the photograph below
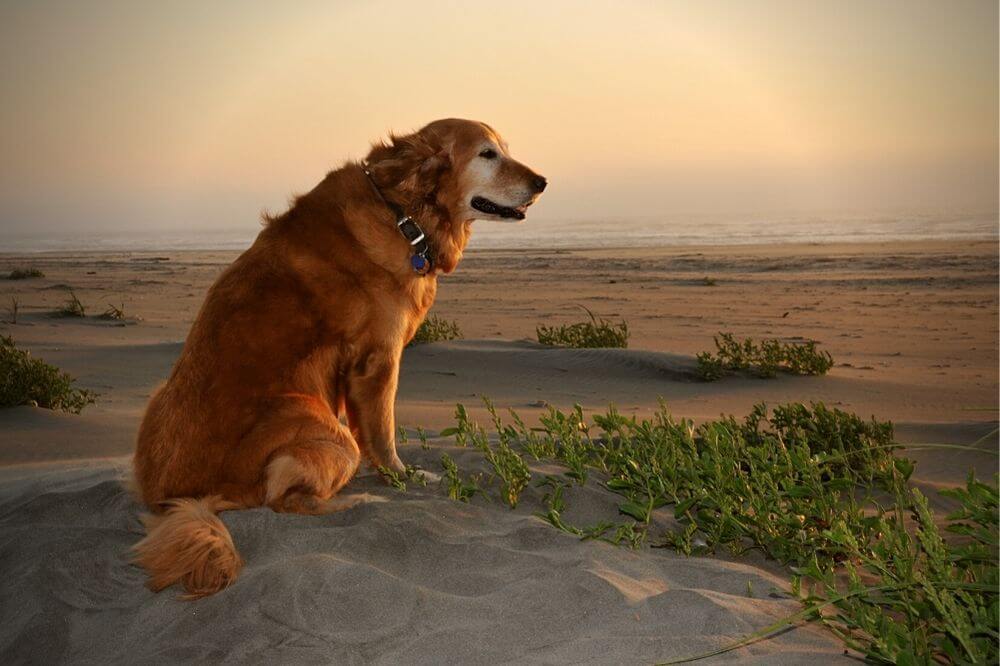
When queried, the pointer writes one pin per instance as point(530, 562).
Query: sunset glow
point(199, 115)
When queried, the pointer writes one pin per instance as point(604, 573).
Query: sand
point(912, 327)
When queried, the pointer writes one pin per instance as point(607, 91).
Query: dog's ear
point(414, 162)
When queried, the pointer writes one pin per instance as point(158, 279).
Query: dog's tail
point(188, 544)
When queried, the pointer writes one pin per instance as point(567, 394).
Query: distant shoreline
point(651, 247)
point(544, 235)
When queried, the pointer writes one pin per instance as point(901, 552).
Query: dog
point(305, 329)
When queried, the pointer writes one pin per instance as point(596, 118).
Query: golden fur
point(305, 328)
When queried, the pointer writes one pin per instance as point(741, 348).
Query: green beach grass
point(763, 359)
point(595, 333)
point(25, 380)
point(114, 312)
point(25, 273)
point(435, 329)
point(820, 490)
point(73, 307)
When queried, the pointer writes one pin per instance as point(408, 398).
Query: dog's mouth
point(484, 205)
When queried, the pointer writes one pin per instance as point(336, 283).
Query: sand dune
point(418, 579)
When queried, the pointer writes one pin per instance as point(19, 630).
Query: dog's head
point(461, 166)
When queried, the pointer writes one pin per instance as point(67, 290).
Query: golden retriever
point(305, 328)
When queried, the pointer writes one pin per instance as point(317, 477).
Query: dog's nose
point(539, 183)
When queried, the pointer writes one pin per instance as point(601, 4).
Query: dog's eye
point(489, 153)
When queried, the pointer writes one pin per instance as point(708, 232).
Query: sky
point(199, 115)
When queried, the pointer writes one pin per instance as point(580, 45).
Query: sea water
point(574, 233)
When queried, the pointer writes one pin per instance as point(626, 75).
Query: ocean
point(564, 234)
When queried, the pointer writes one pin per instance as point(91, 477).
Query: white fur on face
point(481, 178)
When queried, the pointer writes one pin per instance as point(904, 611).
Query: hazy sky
point(153, 115)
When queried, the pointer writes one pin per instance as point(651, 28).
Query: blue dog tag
point(419, 264)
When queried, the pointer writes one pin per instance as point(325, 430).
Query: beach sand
point(912, 328)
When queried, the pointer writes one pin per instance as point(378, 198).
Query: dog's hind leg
point(304, 476)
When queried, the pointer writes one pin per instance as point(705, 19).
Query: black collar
point(422, 258)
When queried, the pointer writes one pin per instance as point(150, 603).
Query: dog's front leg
point(370, 401)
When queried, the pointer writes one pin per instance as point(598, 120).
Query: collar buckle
point(420, 260)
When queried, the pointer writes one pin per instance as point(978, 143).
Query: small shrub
point(25, 274)
point(72, 307)
point(595, 333)
point(13, 309)
point(764, 359)
point(436, 329)
point(30, 381)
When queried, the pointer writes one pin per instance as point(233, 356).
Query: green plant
point(512, 471)
point(555, 503)
point(818, 489)
point(393, 478)
point(568, 434)
point(529, 441)
point(398, 480)
point(435, 329)
point(465, 429)
point(909, 595)
point(508, 465)
point(30, 381)
point(458, 489)
point(72, 307)
point(25, 274)
point(764, 359)
point(595, 333)
point(114, 313)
